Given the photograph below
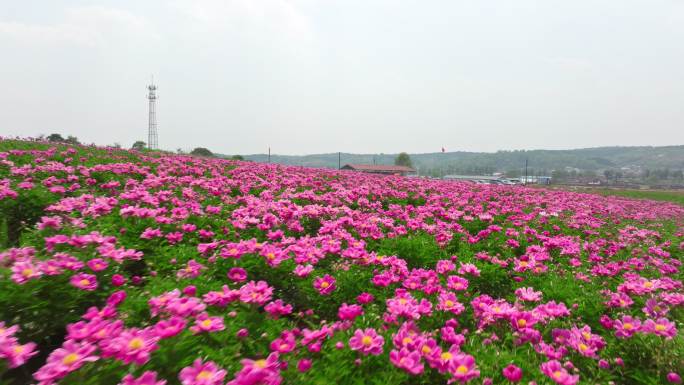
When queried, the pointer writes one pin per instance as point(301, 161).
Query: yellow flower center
point(462, 369)
point(18, 349)
point(203, 375)
point(648, 284)
point(583, 347)
point(366, 340)
point(426, 349)
point(586, 335)
point(523, 263)
point(449, 303)
point(27, 272)
point(446, 356)
point(260, 364)
point(136, 343)
point(325, 284)
point(522, 323)
point(270, 256)
point(557, 374)
point(659, 327)
point(402, 301)
point(70, 358)
point(406, 340)
point(206, 323)
point(84, 282)
point(627, 326)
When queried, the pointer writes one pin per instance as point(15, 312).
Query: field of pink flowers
point(131, 268)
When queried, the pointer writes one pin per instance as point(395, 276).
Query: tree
point(138, 145)
point(403, 159)
point(237, 157)
point(72, 140)
point(55, 138)
point(201, 151)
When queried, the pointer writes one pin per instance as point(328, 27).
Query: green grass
point(669, 196)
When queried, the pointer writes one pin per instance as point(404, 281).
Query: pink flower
point(303, 270)
point(15, 353)
point(132, 345)
point(367, 341)
point(462, 368)
point(71, 356)
point(97, 264)
point(237, 274)
point(523, 320)
point(278, 308)
point(364, 298)
point(263, 371)
point(118, 280)
point(457, 283)
point(147, 378)
point(662, 327)
point(528, 294)
point(512, 373)
point(304, 365)
point(449, 302)
point(256, 292)
point(202, 374)
point(192, 270)
point(83, 281)
point(205, 323)
point(349, 312)
point(627, 326)
point(674, 378)
point(325, 285)
point(23, 271)
point(409, 360)
point(554, 370)
point(169, 328)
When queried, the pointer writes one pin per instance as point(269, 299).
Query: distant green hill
point(599, 158)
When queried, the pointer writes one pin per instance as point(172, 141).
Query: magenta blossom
point(132, 345)
point(662, 327)
point(364, 298)
point(554, 370)
point(512, 373)
point(237, 274)
point(205, 323)
point(83, 281)
point(367, 341)
point(202, 374)
point(409, 360)
point(71, 356)
point(325, 285)
point(147, 378)
point(462, 368)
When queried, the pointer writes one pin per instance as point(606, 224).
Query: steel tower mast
point(152, 143)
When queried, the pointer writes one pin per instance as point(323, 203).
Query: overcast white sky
point(371, 76)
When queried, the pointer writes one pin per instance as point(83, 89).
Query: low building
point(380, 169)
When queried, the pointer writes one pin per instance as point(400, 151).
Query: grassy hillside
point(671, 157)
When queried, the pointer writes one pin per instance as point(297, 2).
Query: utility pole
point(269, 155)
point(152, 143)
point(339, 160)
point(525, 171)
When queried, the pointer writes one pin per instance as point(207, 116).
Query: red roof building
point(380, 169)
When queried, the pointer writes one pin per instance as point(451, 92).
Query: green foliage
point(201, 151)
point(403, 159)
